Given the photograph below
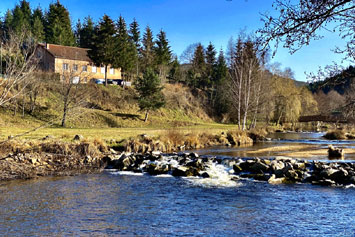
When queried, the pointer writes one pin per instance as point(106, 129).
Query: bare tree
point(245, 86)
point(18, 65)
point(299, 23)
point(72, 91)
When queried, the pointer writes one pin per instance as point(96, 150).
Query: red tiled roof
point(68, 52)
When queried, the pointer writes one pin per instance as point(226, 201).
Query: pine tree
point(26, 12)
point(134, 35)
point(210, 63)
point(77, 31)
point(38, 30)
point(125, 51)
point(175, 73)
point(221, 101)
point(7, 24)
point(147, 48)
point(103, 47)
point(58, 25)
point(221, 69)
point(197, 74)
point(86, 33)
point(20, 21)
point(37, 21)
point(162, 53)
point(150, 92)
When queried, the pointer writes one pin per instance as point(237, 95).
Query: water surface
point(113, 204)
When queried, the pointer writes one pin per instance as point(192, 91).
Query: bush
point(335, 135)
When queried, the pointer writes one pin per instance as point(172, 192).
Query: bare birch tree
point(244, 83)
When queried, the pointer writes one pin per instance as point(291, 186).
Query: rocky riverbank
point(274, 171)
point(26, 160)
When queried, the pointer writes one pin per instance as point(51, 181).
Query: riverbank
point(22, 160)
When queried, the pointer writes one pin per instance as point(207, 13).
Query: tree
point(86, 33)
point(37, 20)
point(220, 102)
point(175, 73)
point(21, 17)
point(18, 66)
point(104, 47)
point(162, 54)
point(126, 53)
point(150, 92)
point(210, 62)
point(188, 54)
point(7, 24)
point(73, 94)
point(58, 25)
point(297, 24)
point(147, 48)
point(245, 74)
point(197, 74)
point(134, 35)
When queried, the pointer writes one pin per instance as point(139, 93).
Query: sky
point(191, 21)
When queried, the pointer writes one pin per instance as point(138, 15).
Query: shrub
point(335, 135)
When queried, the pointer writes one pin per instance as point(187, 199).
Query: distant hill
point(340, 83)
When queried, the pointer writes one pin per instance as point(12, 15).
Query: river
point(119, 203)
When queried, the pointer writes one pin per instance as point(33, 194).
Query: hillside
point(340, 83)
point(106, 107)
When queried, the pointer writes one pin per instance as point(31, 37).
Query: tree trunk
point(23, 105)
point(146, 116)
point(105, 75)
point(65, 110)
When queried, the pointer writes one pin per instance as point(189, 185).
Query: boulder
point(237, 169)
point(274, 180)
point(259, 167)
point(185, 171)
point(335, 152)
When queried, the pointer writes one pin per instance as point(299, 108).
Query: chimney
point(47, 46)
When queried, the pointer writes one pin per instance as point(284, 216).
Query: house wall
point(46, 60)
point(85, 76)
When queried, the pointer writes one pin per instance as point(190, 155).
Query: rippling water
point(120, 204)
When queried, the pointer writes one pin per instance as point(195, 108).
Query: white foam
point(219, 177)
point(126, 173)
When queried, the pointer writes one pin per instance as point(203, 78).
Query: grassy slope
point(113, 114)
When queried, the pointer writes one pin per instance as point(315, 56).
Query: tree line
point(237, 86)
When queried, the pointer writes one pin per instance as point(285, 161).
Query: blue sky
point(191, 21)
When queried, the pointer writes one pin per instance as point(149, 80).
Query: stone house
point(72, 62)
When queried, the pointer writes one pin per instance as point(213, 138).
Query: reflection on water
point(313, 141)
point(107, 204)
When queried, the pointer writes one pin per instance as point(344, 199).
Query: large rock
point(274, 180)
point(259, 167)
point(185, 171)
point(335, 152)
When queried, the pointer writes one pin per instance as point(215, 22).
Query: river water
point(119, 203)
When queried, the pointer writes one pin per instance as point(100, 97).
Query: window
point(65, 66)
point(85, 68)
point(102, 70)
point(112, 71)
point(75, 67)
point(94, 69)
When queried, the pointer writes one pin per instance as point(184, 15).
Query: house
point(73, 62)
